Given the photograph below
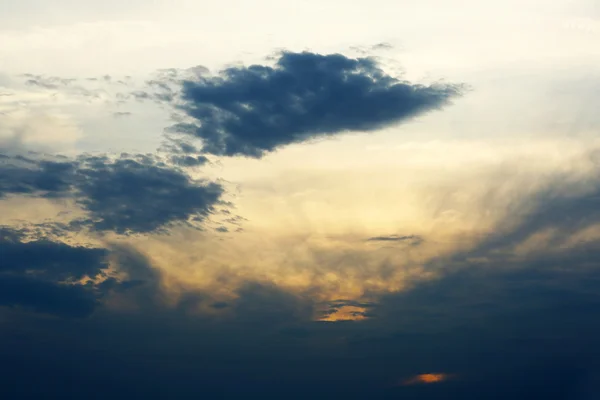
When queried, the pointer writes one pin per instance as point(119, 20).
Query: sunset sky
point(300, 199)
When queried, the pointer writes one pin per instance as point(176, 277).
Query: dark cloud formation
point(501, 334)
point(253, 110)
point(45, 258)
point(26, 176)
point(43, 275)
point(129, 194)
point(46, 297)
point(183, 153)
point(189, 161)
point(139, 195)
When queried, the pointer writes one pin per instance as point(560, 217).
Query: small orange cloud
point(424, 379)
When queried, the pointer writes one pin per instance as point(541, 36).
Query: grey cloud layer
point(254, 110)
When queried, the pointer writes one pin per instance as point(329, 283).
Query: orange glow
point(425, 379)
point(346, 313)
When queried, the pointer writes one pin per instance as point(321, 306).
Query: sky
point(301, 199)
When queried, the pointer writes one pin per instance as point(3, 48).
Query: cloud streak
point(412, 239)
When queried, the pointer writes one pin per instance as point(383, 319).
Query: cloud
point(265, 305)
point(129, 194)
point(43, 275)
point(412, 239)
point(47, 82)
point(24, 176)
point(45, 258)
point(189, 161)
point(254, 110)
point(46, 297)
point(66, 86)
point(141, 195)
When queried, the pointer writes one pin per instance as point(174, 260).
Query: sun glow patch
point(346, 313)
point(426, 379)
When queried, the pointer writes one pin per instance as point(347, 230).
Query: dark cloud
point(183, 153)
point(143, 283)
point(265, 305)
point(66, 85)
point(121, 114)
point(141, 195)
point(254, 110)
point(43, 275)
point(220, 304)
point(20, 175)
point(45, 258)
point(46, 297)
point(522, 332)
point(130, 194)
point(501, 334)
point(189, 161)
